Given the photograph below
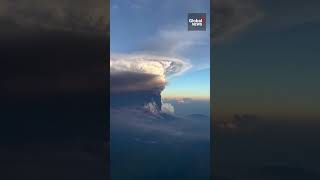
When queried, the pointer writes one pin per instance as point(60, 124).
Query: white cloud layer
point(167, 108)
point(149, 64)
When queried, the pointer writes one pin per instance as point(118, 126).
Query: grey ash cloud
point(138, 80)
point(133, 81)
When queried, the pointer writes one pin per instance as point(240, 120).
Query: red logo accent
point(203, 19)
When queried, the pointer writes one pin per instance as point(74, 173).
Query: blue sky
point(160, 27)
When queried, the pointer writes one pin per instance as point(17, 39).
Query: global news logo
point(196, 21)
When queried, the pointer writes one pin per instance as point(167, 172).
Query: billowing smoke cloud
point(143, 72)
point(140, 79)
point(149, 64)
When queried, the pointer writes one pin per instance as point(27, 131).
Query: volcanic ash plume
point(138, 80)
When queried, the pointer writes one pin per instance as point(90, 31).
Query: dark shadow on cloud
point(137, 99)
point(134, 81)
point(132, 89)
